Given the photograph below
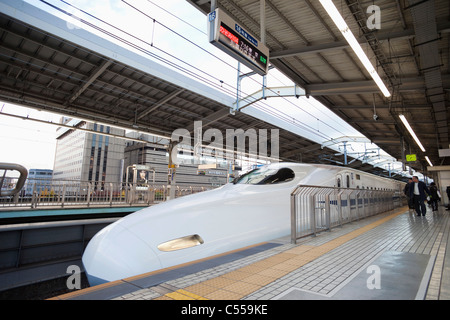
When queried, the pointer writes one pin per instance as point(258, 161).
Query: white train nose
point(115, 253)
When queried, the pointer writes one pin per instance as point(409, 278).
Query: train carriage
point(253, 208)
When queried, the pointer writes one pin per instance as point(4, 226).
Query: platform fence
point(316, 208)
point(59, 194)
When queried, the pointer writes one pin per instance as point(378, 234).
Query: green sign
point(411, 157)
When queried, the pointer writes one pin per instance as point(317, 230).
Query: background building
point(86, 156)
point(90, 156)
point(154, 155)
point(38, 180)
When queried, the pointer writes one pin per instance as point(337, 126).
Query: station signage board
point(236, 41)
point(411, 157)
point(444, 153)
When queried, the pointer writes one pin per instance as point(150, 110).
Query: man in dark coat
point(406, 192)
point(418, 191)
point(448, 195)
point(434, 196)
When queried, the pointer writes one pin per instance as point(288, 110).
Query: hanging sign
point(232, 38)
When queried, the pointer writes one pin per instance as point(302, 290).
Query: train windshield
point(265, 175)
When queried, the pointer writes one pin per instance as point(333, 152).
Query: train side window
point(282, 175)
point(263, 176)
point(348, 181)
point(339, 182)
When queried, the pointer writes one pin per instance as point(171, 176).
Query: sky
point(186, 44)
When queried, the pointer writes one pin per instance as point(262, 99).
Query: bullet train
point(252, 209)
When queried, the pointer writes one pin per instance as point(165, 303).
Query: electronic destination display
point(231, 38)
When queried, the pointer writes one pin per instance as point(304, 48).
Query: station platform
point(395, 255)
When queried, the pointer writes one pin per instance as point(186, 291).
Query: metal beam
point(344, 139)
point(368, 86)
point(423, 107)
point(91, 79)
point(443, 27)
point(265, 92)
point(216, 116)
point(392, 141)
point(426, 30)
point(161, 102)
point(335, 45)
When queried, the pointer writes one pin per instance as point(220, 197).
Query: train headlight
point(181, 243)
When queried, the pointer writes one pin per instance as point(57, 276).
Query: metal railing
point(317, 208)
point(41, 192)
point(17, 186)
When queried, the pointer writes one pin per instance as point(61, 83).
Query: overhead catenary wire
point(274, 112)
point(151, 44)
point(159, 48)
point(124, 1)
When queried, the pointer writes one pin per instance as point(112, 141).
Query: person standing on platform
point(418, 191)
point(435, 197)
point(448, 196)
point(406, 192)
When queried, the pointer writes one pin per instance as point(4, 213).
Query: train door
point(338, 180)
point(343, 180)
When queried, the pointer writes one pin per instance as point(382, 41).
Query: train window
point(348, 181)
point(266, 175)
point(339, 182)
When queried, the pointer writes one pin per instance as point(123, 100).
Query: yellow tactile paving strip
point(100, 287)
point(239, 283)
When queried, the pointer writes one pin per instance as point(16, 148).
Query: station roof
point(410, 50)
point(90, 78)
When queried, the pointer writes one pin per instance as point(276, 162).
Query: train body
point(253, 209)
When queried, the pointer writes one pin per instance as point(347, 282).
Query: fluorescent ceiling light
point(428, 159)
point(354, 44)
point(411, 131)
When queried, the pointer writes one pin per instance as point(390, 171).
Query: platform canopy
point(407, 42)
point(47, 66)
